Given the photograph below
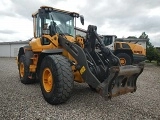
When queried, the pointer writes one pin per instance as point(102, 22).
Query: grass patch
point(152, 62)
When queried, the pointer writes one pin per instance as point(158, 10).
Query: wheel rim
point(122, 61)
point(47, 80)
point(21, 69)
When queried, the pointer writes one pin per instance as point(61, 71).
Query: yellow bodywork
point(136, 49)
point(37, 47)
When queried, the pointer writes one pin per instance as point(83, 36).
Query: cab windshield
point(107, 40)
point(64, 23)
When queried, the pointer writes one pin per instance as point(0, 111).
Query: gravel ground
point(25, 102)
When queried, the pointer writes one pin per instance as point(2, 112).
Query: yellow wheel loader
point(57, 58)
point(128, 53)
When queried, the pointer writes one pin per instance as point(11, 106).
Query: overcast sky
point(119, 17)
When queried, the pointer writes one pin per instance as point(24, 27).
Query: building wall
point(5, 51)
point(10, 50)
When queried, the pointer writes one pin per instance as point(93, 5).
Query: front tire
point(125, 59)
point(56, 79)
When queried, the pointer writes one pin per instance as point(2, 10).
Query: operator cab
point(51, 21)
point(109, 40)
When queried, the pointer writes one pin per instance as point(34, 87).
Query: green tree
point(143, 36)
point(151, 52)
point(158, 56)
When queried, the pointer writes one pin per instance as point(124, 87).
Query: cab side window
point(39, 30)
point(37, 26)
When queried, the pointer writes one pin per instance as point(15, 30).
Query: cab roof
point(54, 9)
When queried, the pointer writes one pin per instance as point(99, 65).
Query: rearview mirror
point(82, 19)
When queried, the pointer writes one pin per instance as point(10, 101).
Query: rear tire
point(56, 79)
point(24, 70)
point(125, 59)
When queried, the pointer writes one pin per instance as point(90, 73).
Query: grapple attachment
point(100, 68)
point(122, 80)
